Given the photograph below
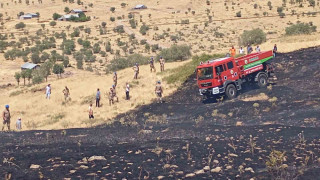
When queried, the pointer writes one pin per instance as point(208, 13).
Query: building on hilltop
point(25, 17)
point(67, 17)
point(33, 15)
point(28, 65)
point(140, 6)
point(77, 11)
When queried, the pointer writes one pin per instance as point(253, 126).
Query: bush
point(53, 23)
point(121, 63)
point(238, 14)
point(20, 25)
point(103, 24)
point(112, 9)
point(112, 19)
point(56, 16)
point(300, 28)
point(175, 53)
point(37, 77)
point(143, 29)
point(255, 36)
point(119, 29)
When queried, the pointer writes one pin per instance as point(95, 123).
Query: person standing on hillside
point(6, 116)
point(258, 49)
point(66, 93)
point(152, 65)
point(233, 51)
point(114, 92)
point(249, 49)
point(136, 71)
point(162, 61)
point(98, 98)
point(115, 78)
point(241, 50)
point(19, 124)
point(48, 91)
point(158, 90)
point(275, 50)
point(110, 95)
point(127, 91)
point(91, 112)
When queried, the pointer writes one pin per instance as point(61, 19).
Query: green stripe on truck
point(257, 62)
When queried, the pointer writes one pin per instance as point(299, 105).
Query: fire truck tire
point(262, 81)
point(231, 91)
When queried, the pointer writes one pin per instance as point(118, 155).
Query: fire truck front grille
point(206, 84)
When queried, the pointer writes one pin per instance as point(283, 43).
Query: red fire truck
point(227, 75)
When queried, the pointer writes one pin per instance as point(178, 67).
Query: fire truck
point(226, 76)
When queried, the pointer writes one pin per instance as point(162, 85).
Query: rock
point(201, 171)
point(206, 168)
point(161, 177)
point(219, 155)
point(174, 166)
point(84, 167)
point(215, 161)
point(35, 166)
point(233, 155)
point(249, 169)
point(284, 166)
point(239, 123)
point(228, 167)
point(72, 171)
point(207, 138)
point(190, 175)
point(216, 170)
point(179, 173)
point(145, 132)
point(166, 166)
point(97, 158)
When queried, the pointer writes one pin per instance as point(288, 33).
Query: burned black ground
point(182, 136)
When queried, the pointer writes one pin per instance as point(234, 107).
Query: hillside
point(187, 138)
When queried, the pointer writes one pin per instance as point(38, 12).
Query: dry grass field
point(207, 27)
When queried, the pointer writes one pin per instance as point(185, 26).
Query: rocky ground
point(186, 137)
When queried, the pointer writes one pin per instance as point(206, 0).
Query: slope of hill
point(185, 138)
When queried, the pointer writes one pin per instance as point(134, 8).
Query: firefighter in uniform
point(152, 65)
point(158, 90)
point(114, 95)
point(162, 61)
point(110, 96)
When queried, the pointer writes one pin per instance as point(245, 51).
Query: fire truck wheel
point(231, 91)
point(262, 81)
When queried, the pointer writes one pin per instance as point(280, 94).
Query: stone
point(35, 166)
point(190, 175)
point(84, 167)
point(97, 158)
point(207, 138)
point(161, 177)
point(72, 171)
point(201, 171)
point(233, 155)
point(249, 169)
point(216, 170)
point(215, 161)
point(206, 168)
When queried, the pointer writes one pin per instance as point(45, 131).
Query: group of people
point(136, 68)
point(250, 50)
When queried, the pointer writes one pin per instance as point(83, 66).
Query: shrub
point(238, 14)
point(175, 53)
point(301, 28)
point(112, 19)
point(20, 25)
point(58, 69)
point(121, 63)
point(143, 29)
point(56, 16)
point(132, 23)
point(53, 23)
point(112, 9)
point(119, 29)
point(255, 36)
point(103, 24)
point(37, 76)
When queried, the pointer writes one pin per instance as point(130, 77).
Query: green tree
point(20, 25)
point(143, 29)
point(35, 58)
point(37, 76)
point(66, 10)
point(56, 16)
point(66, 61)
point(103, 24)
point(58, 69)
point(17, 76)
point(53, 23)
point(45, 69)
point(44, 56)
point(112, 9)
point(29, 74)
point(255, 36)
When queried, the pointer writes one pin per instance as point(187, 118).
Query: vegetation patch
point(255, 36)
point(301, 28)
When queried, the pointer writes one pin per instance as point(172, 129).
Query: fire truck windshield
point(205, 73)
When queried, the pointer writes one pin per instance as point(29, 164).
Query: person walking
point(152, 67)
point(114, 92)
point(158, 90)
point(6, 116)
point(275, 50)
point(115, 78)
point(98, 98)
point(127, 91)
point(91, 112)
point(233, 51)
point(136, 71)
point(110, 95)
point(162, 61)
point(19, 124)
point(241, 50)
point(48, 91)
point(66, 93)
point(258, 49)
